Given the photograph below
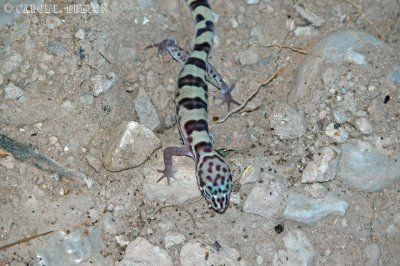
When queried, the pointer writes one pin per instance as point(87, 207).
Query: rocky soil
point(315, 153)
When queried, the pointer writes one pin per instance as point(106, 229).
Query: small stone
point(265, 199)
point(146, 110)
point(131, 145)
point(53, 140)
point(103, 83)
point(121, 240)
point(252, 2)
point(250, 175)
point(372, 252)
point(355, 57)
point(94, 159)
point(336, 133)
point(80, 34)
point(172, 239)
point(322, 168)
point(340, 116)
point(12, 92)
point(87, 99)
point(1, 79)
point(8, 162)
point(299, 250)
point(308, 210)
point(364, 167)
point(53, 22)
point(57, 48)
point(140, 250)
point(12, 63)
point(287, 122)
point(364, 126)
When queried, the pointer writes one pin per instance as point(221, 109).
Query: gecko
point(213, 175)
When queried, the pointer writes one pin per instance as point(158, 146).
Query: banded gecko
point(213, 175)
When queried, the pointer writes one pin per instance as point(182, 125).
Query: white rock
point(372, 252)
point(252, 2)
point(364, 126)
point(11, 64)
point(299, 250)
point(103, 83)
point(53, 140)
point(131, 145)
point(141, 252)
point(12, 92)
point(250, 175)
point(322, 168)
point(80, 34)
point(287, 122)
point(308, 210)
point(146, 111)
point(266, 199)
point(53, 22)
point(172, 239)
point(182, 187)
point(336, 132)
point(364, 167)
point(193, 254)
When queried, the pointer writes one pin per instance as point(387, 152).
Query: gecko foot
point(226, 97)
point(166, 173)
point(162, 47)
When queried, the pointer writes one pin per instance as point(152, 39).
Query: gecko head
point(215, 181)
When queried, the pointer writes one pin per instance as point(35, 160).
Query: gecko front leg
point(169, 152)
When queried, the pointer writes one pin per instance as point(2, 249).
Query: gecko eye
point(207, 193)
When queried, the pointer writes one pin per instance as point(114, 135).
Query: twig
point(28, 153)
point(380, 35)
point(240, 107)
point(295, 49)
point(24, 240)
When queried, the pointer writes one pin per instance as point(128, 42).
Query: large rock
point(130, 146)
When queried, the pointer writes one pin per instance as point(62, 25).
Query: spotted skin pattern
point(213, 175)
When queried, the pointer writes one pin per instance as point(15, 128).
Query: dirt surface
point(34, 202)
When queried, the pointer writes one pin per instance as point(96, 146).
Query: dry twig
point(294, 49)
point(24, 240)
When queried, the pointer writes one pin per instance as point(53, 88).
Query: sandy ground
point(34, 202)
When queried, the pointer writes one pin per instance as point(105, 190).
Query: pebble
point(193, 253)
point(53, 22)
point(322, 168)
point(145, 4)
point(355, 57)
point(299, 250)
point(12, 92)
point(250, 175)
point(131, 144)
point(288, 123)
point(394, 75)
point(8, 162)
point(252, 2)
point(53, 140)
point(12, 63)
point(365, 168)
point(146, 111)
point(266, 198)
point(364, 126)
point(172, 238)
point(57, 48)
point(140, 250)
point(94, 159)
point(87, 99)
point(340, 116)
point(103, 83)
point(337, 133)
point(308, 210)
point(1, 79)
point(80, 34)
point(376, 110)
point(372, 252)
